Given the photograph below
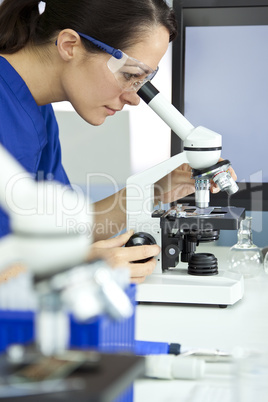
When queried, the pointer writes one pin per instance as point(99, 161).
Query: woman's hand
point(175, 185)
point(116, 255)
point(178, 184)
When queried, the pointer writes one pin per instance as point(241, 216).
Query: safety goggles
point(131, 74)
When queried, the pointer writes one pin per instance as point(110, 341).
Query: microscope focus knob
point(141, 239)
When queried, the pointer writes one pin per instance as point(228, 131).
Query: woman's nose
point(130, 98)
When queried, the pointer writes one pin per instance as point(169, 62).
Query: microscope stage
point(176, 286)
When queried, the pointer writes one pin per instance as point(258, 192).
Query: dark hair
point(120, 23)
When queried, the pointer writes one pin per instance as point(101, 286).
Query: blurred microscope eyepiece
point(86, 291)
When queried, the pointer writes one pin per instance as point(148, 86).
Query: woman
point(70, 53)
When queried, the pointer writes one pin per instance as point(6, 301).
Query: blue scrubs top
point(28, 131)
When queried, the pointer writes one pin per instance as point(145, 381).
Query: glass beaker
point(245, 257)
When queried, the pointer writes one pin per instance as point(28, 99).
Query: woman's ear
point(68, 42)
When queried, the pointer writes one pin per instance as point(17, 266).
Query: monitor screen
point(220, 81)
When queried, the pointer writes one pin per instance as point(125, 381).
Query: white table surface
point(245, 324)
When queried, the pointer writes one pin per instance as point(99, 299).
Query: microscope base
point(176, 286)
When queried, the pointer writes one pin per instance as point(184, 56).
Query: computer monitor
point(220, 81)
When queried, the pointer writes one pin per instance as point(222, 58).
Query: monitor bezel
point(251, 196)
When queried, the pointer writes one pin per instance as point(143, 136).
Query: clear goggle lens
point(131, 74)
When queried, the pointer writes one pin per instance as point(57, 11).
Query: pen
point(156, 348)
point(172, 361)
point(144, 348)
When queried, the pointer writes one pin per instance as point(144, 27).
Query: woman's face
point(93, 89)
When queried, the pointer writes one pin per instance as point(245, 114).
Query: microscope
point(180, 229)
point(42, 242)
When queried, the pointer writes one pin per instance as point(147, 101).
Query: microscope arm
point(140, 190)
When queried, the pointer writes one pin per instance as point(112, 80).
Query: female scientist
point(73, 52)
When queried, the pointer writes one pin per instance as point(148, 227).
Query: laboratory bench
point(242, 326)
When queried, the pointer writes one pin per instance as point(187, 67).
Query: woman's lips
point(111, 111)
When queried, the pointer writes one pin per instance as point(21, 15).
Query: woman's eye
point(131, 77)
point(137, 84)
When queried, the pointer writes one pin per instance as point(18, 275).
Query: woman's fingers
point(125, 256)
point(117, 241)
point(140, 271)
point(117, 256)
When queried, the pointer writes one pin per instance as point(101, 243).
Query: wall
point(96, 158)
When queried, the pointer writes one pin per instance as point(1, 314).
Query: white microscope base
point(178, 287)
